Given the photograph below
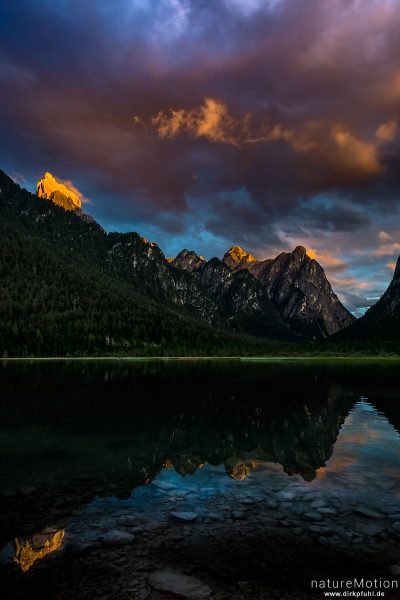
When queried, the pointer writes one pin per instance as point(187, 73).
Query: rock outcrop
point(209, 290)
point(300, 290)
point(56, 191)
point(237, 258)
point(295, 284)
point(188, 260)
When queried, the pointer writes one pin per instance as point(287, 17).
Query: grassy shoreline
point(204, 358)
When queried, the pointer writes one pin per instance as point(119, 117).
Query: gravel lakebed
point(209, 535)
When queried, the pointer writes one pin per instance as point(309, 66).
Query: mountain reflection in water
point(74, 432)
point(29, 550)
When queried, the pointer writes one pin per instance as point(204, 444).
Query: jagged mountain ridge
point(214, 294)
point(300, 293)
point(231, 294)
point(295, 284)
point(118, 287)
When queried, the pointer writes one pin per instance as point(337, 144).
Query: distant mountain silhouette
point(381, 322)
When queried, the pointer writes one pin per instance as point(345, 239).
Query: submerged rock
point(127, 521)
point(116, 538)
point(185, 516)
point(366, 512)
point(371, 530)
point(179, 585)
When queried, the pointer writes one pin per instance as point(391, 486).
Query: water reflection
point(367, 450)
point(82, 437)
point(27, 551)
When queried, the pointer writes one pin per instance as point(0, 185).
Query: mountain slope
point(67, 286)
point(241, 300)
point(382, 321)
point(294, 285)
point(207, 290)
point(298, 287)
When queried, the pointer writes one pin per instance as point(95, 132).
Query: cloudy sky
point(203, 124)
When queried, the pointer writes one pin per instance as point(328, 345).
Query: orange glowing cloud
point(325, 259)
point(358, 154)
point(338, 148)
point(214, 122)
point(387, 131)
point(383, 236)
point(350, 282)
point(386, 250)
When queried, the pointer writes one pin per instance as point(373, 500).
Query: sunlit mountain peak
point(63, 194)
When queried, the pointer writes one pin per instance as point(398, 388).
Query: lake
point(198, 479)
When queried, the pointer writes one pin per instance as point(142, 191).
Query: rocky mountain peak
point(50, 188)
point(299, 253)
point(188, 260)
point(294, 282)
point(236, 257)
point(396, 274)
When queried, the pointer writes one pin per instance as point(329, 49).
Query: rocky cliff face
point(189, 261)
point(241, 300)
point(209, 290)
point(52, 189)
point(298, 287)
point(389, 305)
point(237, 258)
point(294, 283)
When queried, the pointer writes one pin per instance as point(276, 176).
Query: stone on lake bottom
point(370, 530)
point(327, 511)
point(366, 512)
point(313, 516)
point(286, 495)
point(179, 585)
point(215, 517)
point(185, 516)
point(116, 538)
point(127, 521)
point(237, 514)
point(318, 504)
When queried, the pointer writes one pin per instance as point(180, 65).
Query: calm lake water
point(95, 449)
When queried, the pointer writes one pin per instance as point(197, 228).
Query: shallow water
point(92, 449)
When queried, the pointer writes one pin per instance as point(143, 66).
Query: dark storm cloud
point(264, 123)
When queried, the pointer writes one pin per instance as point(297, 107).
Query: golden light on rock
point(63, 194)
point(240, 471)
point(27, 551)
point(237, 256)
